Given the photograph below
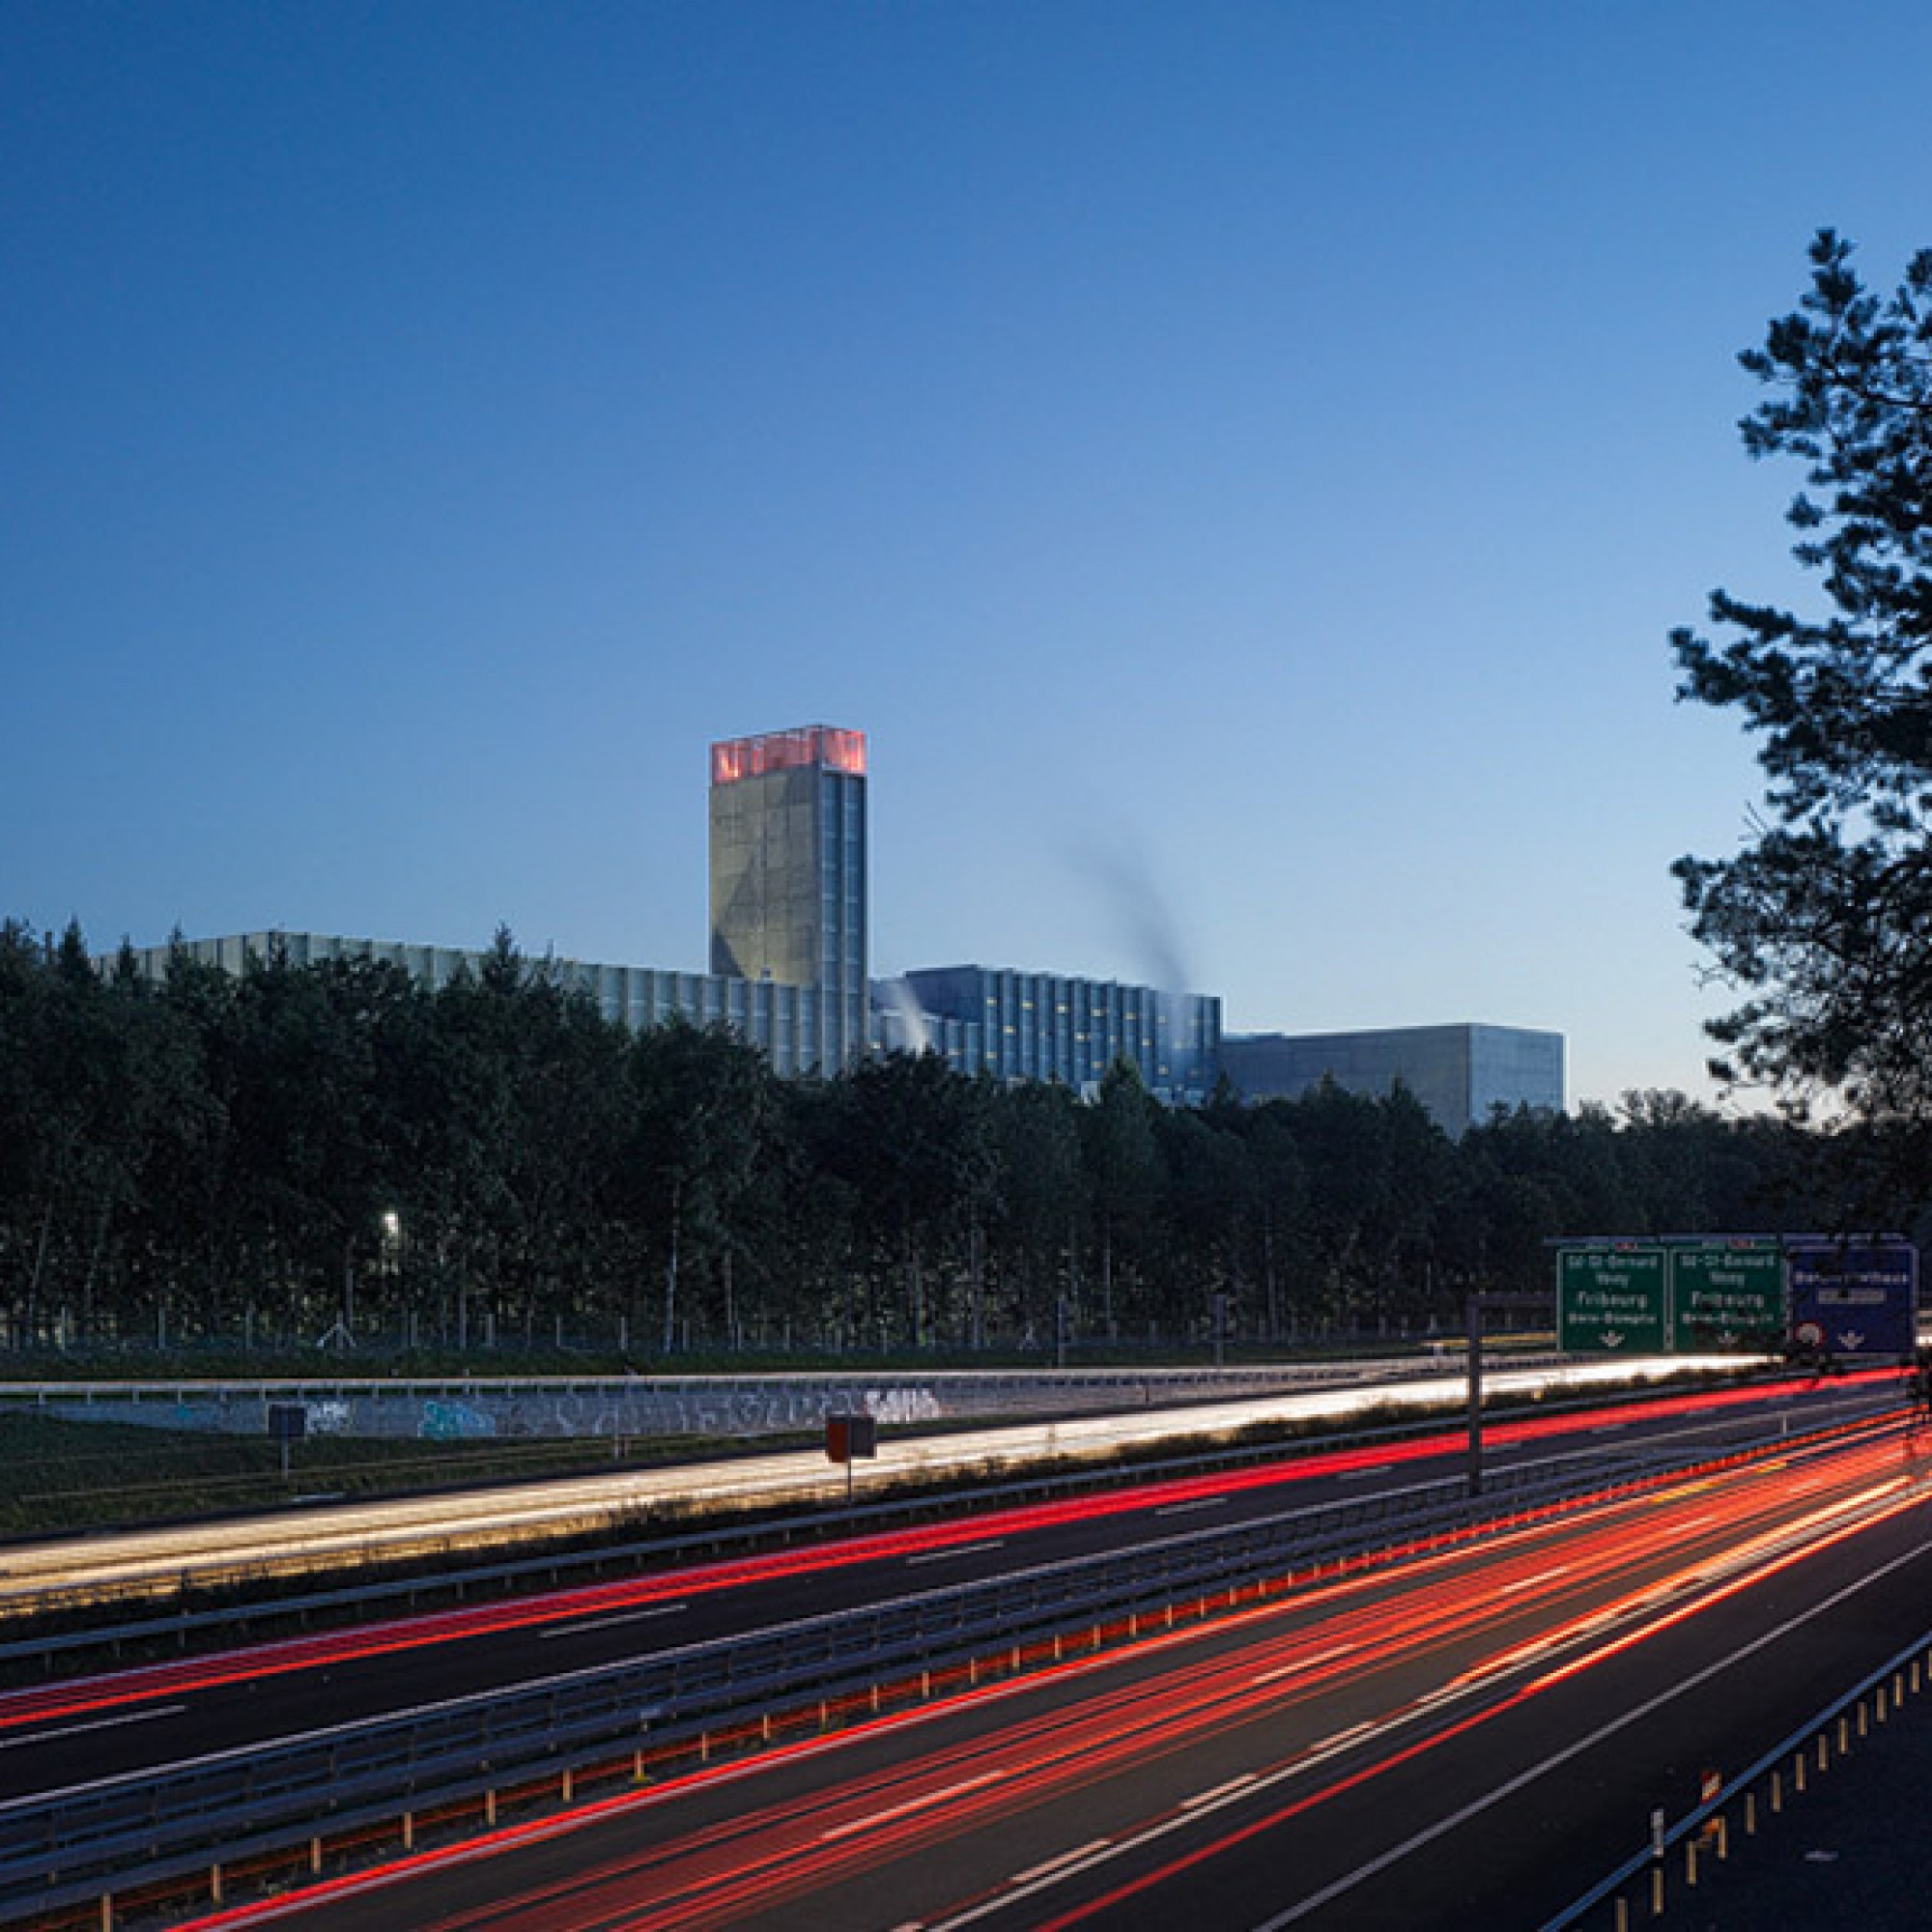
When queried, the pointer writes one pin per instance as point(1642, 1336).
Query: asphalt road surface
point(139, 1722)
point(1467, 1740)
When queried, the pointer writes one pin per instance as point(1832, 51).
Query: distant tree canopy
point(298, 1151)
point(1823, 919)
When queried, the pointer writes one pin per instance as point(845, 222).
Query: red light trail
point(119, 1688)
point(1473, 1620)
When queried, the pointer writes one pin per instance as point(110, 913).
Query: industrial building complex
point(790, 973)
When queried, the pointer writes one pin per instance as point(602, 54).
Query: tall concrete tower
point(788, 869)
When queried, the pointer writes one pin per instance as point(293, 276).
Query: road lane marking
point(1204, 1503)
point(1342, 1737)
point(961, 1550)
point(1530, 1583)
point(98, 1724)
point(1320, 1657)
point(921, 1803)
point(616, 1617)
point(1356, 1475)
point(1523, 1780)
point(1058, 1864)
point(1220, 1791)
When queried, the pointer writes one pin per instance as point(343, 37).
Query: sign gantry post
point(1478, 1306)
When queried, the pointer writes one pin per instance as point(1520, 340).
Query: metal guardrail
point(1705, 1830)
point(87, 1843)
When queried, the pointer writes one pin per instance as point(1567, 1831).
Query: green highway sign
point(1612, 1301)
point(1727, 1296)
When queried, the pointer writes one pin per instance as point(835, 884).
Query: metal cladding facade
point(798, 1028)
point(789, 871)
point(1044, 1026)
point(1462, 1074)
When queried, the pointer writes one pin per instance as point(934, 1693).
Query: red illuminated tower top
point(824, 748)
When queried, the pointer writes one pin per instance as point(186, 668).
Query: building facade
point(1462, 1074)
point(800, 1028)
point(789, 974)
point(1044, 1026)
point(788, 870)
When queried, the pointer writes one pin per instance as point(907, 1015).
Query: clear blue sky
point(1239, 463)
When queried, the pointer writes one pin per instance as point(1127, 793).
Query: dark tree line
point(295, 1154)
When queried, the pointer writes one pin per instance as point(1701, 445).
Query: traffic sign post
point(1612, 1301)
point(1728, 1294)
point(847, 1437)
point(288, 1422)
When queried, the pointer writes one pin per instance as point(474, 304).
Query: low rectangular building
point(1461, 1073)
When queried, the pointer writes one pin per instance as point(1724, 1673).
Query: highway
point(138, 1720)
point(1467, 1739)
point(145, 1723)
point(324, 1533)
